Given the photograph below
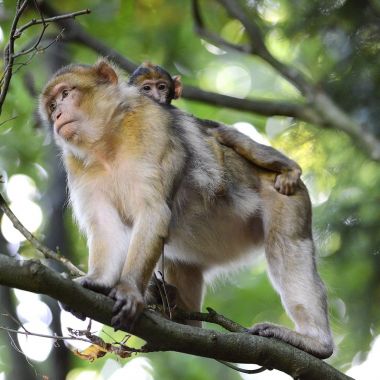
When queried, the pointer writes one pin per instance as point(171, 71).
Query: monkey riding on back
point(146, 178)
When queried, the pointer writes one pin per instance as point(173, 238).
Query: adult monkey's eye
point(146, 88)
point(52, 106)
point(65, 93)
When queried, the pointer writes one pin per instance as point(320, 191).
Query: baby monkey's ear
point(177, 86)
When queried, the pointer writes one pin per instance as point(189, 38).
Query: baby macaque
point(158, 84)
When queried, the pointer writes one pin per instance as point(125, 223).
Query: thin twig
point(213, 37)
point(35, 48)
point(212, 317)
point(55, 337)
point(45, 21)
point(9, 51)
point(8, 120)
point(47, 252)
point(15, 33)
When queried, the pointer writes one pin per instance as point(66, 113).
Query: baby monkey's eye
point(162, 86)
point(65, 93)
point(146, 88)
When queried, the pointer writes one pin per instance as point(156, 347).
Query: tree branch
point(261, 107)
point(47, 252)
point(75, 33)
point(8, 54)
point(319, 109)
point(331, 114)
point(15, 33)
point(165, 335)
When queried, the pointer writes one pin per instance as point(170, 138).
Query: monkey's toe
point(268, 330)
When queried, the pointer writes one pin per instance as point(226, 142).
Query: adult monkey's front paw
point(127, 308)
point(88, 282)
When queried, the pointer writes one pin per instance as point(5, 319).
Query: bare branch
point(212, 37)
point(45, 21)
point(212, 317)
point(8, 53)
point(54, 337)
point(75, 33)
point(48, 253)
point(319, 104)
point(262, 107)
point(259, 48)
point(15, 33)
point(165, 335)
point(319, 109)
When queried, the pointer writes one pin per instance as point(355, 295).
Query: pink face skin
point(64, 111)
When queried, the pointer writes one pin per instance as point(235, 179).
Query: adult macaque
point(141, 175)
point(158, 84)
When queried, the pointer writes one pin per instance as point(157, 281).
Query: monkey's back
point(216, 209)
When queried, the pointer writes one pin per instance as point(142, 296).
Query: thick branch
point(331, 114)
point(75, 33)
point(166, 335)
point(259, 48)
point(319, 110)
point(262, 107)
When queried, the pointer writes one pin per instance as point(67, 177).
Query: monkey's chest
point(133, 188)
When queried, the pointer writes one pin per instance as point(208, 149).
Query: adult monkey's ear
point(105, 72)
point(177, 86)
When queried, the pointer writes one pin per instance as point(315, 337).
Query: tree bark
point(164, 335)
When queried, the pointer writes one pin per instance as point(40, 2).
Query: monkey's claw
point(287, 182)
point(127, 308)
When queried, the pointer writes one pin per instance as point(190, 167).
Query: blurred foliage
point(336, 44)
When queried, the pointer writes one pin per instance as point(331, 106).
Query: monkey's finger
point(119, 305)
point(116, 323)
point(122, 321)
point(130, 313)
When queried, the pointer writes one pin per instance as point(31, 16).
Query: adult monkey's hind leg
point(290, 253)
point(188, 279)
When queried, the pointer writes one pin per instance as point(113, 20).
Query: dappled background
point(333, 43)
